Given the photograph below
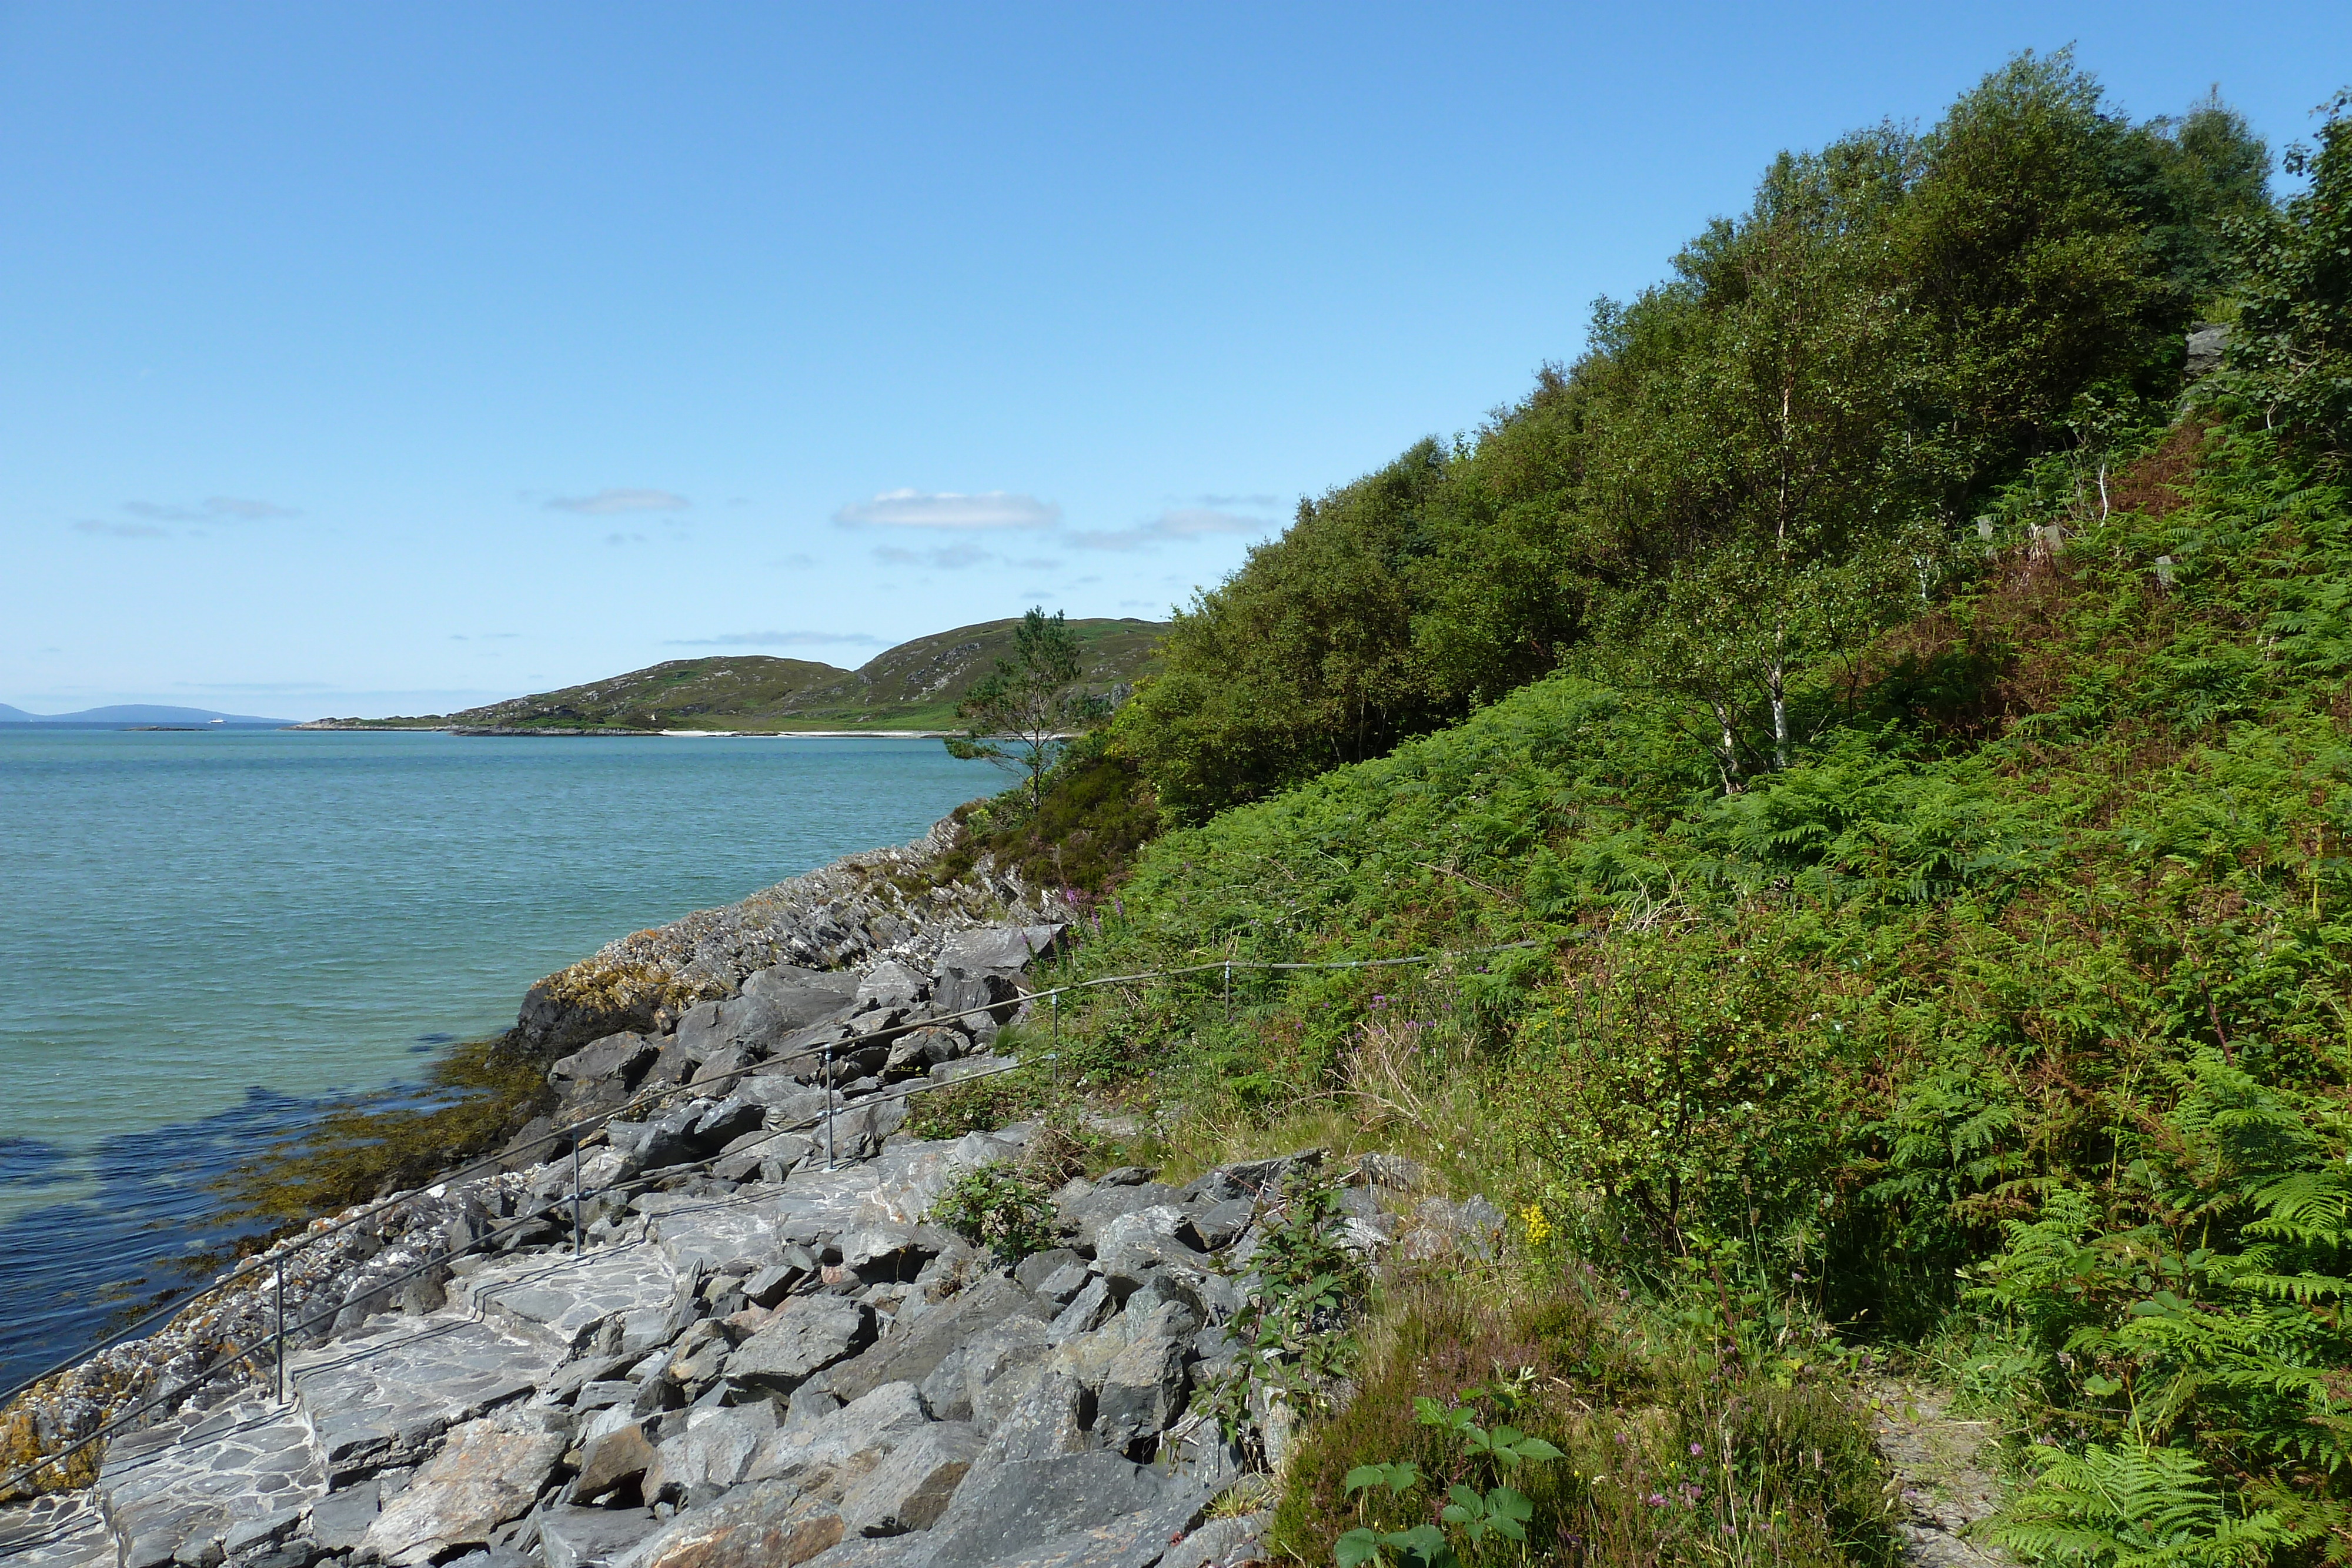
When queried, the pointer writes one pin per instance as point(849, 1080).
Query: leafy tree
point(1022, 711)
point(2293, 350)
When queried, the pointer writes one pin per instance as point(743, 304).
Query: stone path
point(180, 1487)
point(385, 1397)
point(1944, 1488)
point(565, 1301)
point(67, 1531)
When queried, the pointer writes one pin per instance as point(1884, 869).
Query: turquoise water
point(203, 935)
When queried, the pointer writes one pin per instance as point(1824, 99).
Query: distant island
point(142, 713)
point(915, 686)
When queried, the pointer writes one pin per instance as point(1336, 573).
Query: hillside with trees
point(1870, 746)
point(917, 684)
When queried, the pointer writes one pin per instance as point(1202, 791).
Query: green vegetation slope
point(1887, 828)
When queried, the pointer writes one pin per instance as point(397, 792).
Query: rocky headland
point(762, 1349)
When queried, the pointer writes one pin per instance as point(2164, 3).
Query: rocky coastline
point(761, 1349)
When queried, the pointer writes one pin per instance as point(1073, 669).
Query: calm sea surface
point(203, 936)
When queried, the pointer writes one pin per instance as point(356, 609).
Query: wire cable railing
point(577, 1132)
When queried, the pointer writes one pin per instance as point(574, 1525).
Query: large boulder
point(911, 1353)
point(910, 1489)
point(768, 1524)
point(807, 1335)
point(592, 1537)
point(623, 1056)
point(490, 1471)
point(1005, 1512)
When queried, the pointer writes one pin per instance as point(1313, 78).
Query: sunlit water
point(204, 935)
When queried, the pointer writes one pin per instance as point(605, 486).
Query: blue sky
point(375, 358)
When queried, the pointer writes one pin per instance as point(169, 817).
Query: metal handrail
point(600, 1120)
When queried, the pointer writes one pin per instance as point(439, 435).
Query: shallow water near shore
point(205, 936)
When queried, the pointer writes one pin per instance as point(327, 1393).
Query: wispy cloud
point(215, 509)
point(242, 507)
point(122, 530)
point(624, 538)
point(607, 503)
point(1172, 525)
point(948, 509)
point(1239, 503)
point(776, 640)
point(949, 558)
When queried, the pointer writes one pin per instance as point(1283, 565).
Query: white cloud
point(774, 640)
point(1177, 523)
point(605, 503)
point(949, 558)
point(237, 507)
point(624, 538)
point(122, 530)
point(947, 509)
point(216, 508)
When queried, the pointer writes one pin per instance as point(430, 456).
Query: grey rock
point(911, 1353)
point(592, 1537)
point(863, 1430)
point(614, 1458)
point(1002, 1366)
point(1049, 1420)
point(1263, 1177)
point(1006, 1512)
point(625, 1056)
point(912, 1551)
point(489, 1471)
point(1085, 1216)
point(340, 1521)
point(766, 1525)
point(807, 1335)
point(1143, 1388)
point(920, 1049)
point(996, 949)
point(1217, 1544)
point(886, 1252)
point(1220, 1224)
point(2207, 344)
point(1038, 1267)
point(1134, 1245)
point(712, 1454)
point(774, 1281)
point(889, 984)
point(910, 1489)
point(1086, 1311)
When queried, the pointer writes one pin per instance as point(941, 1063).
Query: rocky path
point(1943, 1467)
point(776, 1374)
point(758, 1355)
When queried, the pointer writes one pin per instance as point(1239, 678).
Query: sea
point(209, 938)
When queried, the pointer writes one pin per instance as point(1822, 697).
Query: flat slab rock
point(178, 1484)
point(385, 1396)
point(67, 1530)
point(563, 1300)
point(712, 1232)
point(488, 1472)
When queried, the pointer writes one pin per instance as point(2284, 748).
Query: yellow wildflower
point(1537, 1223)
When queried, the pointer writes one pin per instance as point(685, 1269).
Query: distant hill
point(915, 686)
point(135, 713)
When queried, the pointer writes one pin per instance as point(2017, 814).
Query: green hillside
point(1873, 741)
point(915, 686)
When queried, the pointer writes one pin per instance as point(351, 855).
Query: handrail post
point(575, 1195)
point(1056, 999)
point(280, 1336)
point(1229, 990)
point(827, 1071)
